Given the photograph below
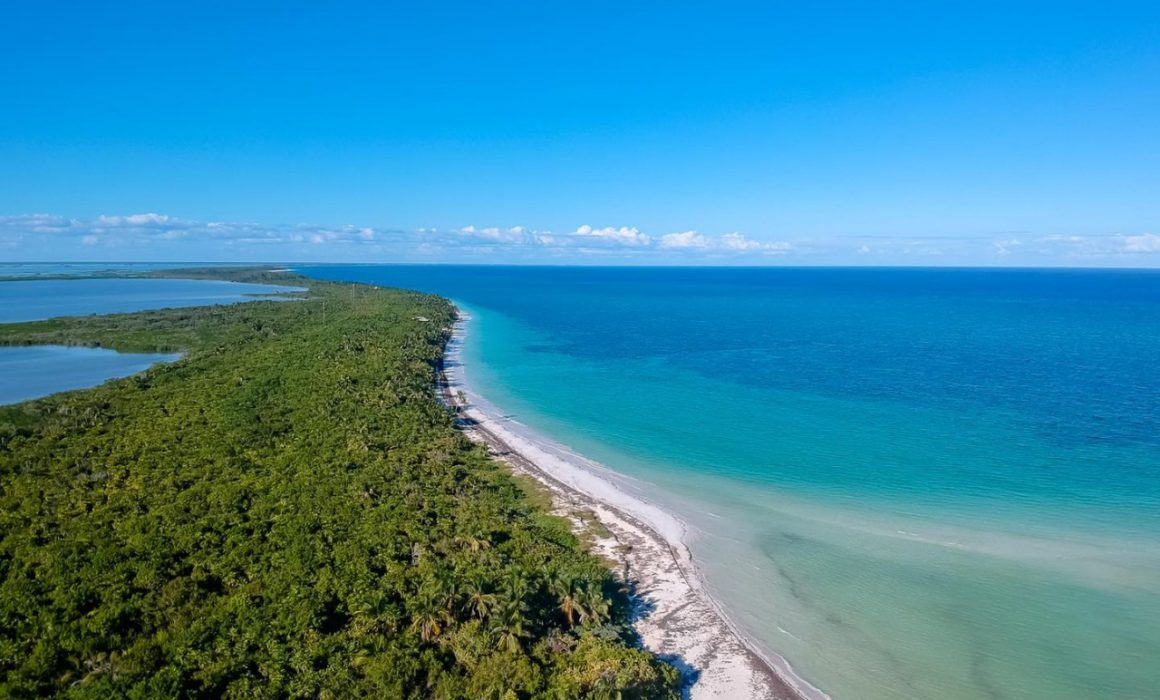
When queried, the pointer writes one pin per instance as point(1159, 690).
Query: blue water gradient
point(913, 483)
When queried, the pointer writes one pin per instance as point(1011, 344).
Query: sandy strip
point(676, 617)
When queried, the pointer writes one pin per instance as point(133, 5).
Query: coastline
point(676, 618)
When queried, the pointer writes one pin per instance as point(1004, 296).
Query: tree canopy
point(287, 511)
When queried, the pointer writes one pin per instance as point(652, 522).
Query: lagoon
point(32, 372)
point(31, 300)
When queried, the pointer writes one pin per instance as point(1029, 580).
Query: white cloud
point(729, 242)
point(625, 235)
point(1099, 247)
point(144, 219)
point(738, 242)
point(38, 223)
point(494, 234)
point(685, 239)
point(1004, 247)
point(168, 233)
point(148, 229)
point(1143, 243)
point(138, 220)
point(160, 236)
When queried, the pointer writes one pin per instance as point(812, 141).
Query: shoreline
point(676, 617)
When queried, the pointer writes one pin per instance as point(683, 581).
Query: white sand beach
point(678, 619)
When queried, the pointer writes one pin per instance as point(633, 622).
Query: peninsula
point(288, 511)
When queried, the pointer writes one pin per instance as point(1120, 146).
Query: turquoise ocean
point(910, 483)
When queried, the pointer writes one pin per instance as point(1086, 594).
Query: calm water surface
point(32, 372)
point(911, 483)
point(31, 300)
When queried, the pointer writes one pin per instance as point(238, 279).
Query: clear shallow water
point(36, 371)
point(31, 300)
point(911, 483)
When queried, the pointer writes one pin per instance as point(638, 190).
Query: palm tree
point(593, 605)
point(479, 601)
point(563, 586)
point(429, 618)
point(447, 591)
point(516, 586)
point(511, 626)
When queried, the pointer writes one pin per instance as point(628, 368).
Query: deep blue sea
point(912, 483)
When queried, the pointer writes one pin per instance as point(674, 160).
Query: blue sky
point(720, 133)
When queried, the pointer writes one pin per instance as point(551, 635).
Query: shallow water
point(911, 483)
point(31, 300)
point(32, 372)
point(39, 370)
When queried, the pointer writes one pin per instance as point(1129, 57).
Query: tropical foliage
point(287, 512)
